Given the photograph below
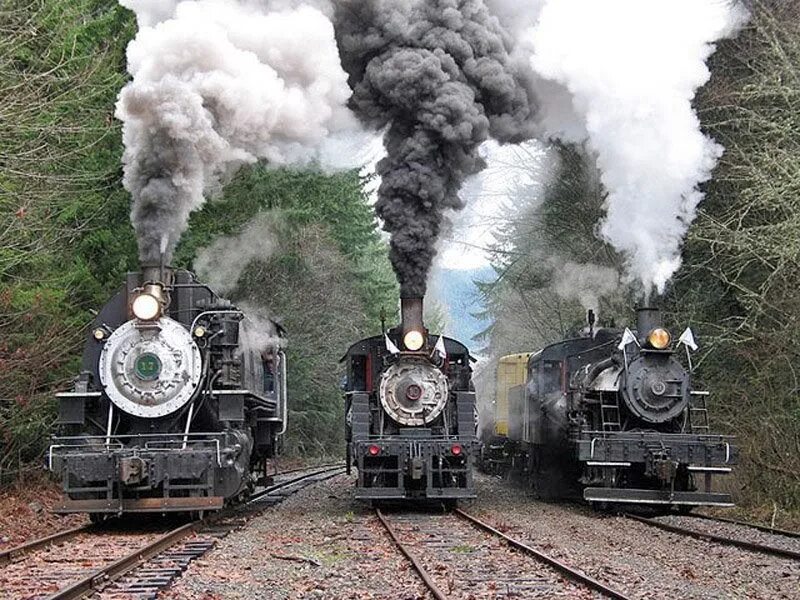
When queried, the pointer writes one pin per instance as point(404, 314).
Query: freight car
point(611, 416)
point(499, 446)
point(410, 414)
point(174, 410)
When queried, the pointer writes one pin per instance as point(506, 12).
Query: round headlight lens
point(146, 307)
point(414, 340)
point(99, 334)
point(659, 339)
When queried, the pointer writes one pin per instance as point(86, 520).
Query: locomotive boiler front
point(655, 387)
point(150, 366)
point(413, 391)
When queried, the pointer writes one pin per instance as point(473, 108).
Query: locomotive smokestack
point(411, 315)
point(159, 274)
point(647, 319)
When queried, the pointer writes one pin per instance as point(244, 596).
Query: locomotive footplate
point(700, 451)
point(632, 496)
point(139, 505)
point(147, 473)
point(670, 462)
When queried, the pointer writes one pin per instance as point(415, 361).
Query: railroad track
point(135, 564)
point(764, 528)
point(739, 541)
point(454, 558)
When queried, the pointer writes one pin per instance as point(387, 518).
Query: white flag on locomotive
point(440, 349)
point(390, 345)
point(627, 338)
point(687, 339)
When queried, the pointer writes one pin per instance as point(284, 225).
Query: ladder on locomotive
point(698, 412)
point(609, 412)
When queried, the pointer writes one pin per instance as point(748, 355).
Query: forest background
point(66, 242)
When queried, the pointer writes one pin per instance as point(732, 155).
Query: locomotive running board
point(626, 496)
point(140, 505)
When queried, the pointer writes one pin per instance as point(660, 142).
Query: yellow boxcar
point(512, 371)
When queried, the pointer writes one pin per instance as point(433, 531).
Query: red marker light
point(456, 449)
point(374, 450)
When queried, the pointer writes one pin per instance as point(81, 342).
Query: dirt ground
point(25, 510)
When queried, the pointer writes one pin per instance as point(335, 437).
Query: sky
point(462, 256)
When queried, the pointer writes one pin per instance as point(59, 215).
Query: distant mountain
point(456, 292)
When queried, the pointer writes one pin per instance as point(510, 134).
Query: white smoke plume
point(218, 84)
point(258, 331)
point(586, 283)
point(222, 263)
point(622, 75)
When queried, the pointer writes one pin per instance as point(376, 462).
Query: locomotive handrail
point(284, 394)
point(166, 438)
point(620, 435)
point(214, 312)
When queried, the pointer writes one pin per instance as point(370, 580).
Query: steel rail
point(310, 467)
point(764, 528)
point(424, 575)
point(9, 555)
point(125, 564)
point(335, 470)
point(111, 572)
point(570, 572)
point(711, 537)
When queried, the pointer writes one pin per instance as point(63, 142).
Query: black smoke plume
point(442, 77)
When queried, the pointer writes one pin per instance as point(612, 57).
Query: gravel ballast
point(635, 558)
point(319, 543)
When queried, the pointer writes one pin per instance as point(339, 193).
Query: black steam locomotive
point(612, 416)
point(410, 414)
point(173, 410)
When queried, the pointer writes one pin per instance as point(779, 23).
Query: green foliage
point(549, 230)
point(738, 285)
point(64, 229)
point(326, 281)
point(66, 240)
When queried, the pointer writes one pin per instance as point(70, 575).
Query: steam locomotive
point(172, 410)
point(410, 414)
point(610, 416)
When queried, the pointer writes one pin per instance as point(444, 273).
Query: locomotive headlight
point(413, 340)
point(146, 307)
point(659, 338)
point(199, 331)
point(99, 334)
